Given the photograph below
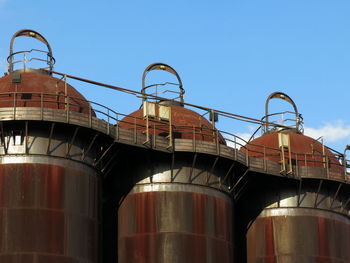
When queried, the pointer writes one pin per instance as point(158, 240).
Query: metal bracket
point(50, 138)
point(318, 192)
point(83, 156)
point(336, 195)
point(227, 174)
point(192, 167)
point(299, 191)
point(212, 169)
point(72, 141)
point(104, 154)
point(239, 180)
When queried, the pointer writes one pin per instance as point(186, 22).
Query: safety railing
point(21, 57)
point(333, 164)
point(285, 118)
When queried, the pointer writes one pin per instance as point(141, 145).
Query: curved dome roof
point(287, 142)
point(306, 150)
point(184, 122)
point(30, 85)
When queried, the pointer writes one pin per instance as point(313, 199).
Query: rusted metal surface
point(288, 146)
point(34, 82)
point(175, 226)
point(305, 151)
point(299, 235)
point(49, 213)
point(172, 214)
point(328, 168)
point(186, 124)
point(183, 123)
point(176, 211)
point(305, 221)
point(49, 197)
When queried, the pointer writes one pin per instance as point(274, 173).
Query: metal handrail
point(204, 131)
point(50, 60)
point(33, 34)
point(157, 126)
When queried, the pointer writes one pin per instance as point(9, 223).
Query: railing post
point(24, 60)
point(154, 136)
point(108, 121)
point(41, 106)
point(212, 115)
point(345, 167)
point(117, 132)
point(247, 158)
point(147, 126)
point(327, 167)
point(65, 90)
point(116, 126)
point(306, 172)
point(194, 138)
point(264, 160)
point(135, 135)
point(170, 130)
point(345, 163)
point(217, 142)
point(90, 116)
point(235, 146)
point(67, 109)
point(297, 165)
point(14, 105)
point(323, 153)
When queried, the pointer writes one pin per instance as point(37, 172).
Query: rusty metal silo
point(178, 209)
point(302, 214)
point(49, 182)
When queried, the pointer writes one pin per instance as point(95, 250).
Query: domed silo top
point(158, 114)
point(33, 87)
point(281, 142)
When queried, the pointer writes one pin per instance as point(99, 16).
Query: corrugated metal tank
point(171, 213)
point(49, 198)
point(305, 220)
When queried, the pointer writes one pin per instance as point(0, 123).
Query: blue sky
point(230, 54)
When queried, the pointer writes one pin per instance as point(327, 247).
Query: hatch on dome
point(167, 116)
point(29, 81)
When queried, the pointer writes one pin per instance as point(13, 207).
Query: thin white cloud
point(244, 135)
point(241, 138)
point(236, 142)
point(331, 132)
